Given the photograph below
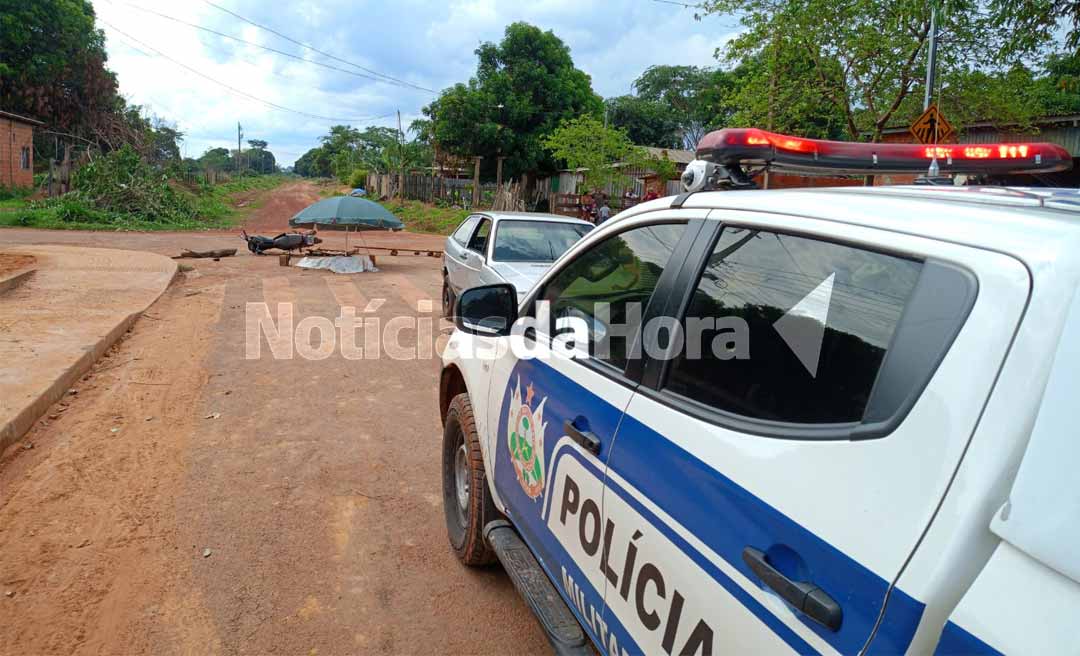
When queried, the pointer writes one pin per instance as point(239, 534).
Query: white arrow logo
point(803, 326)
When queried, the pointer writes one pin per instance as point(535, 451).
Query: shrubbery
point(358, 178)
point(120, 191)
point(12, 193)
point(120, 183)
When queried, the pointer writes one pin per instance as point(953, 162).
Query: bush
point(121, 184)
point(358, 178)
point(15, 193)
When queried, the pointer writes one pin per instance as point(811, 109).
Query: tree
point(315, 163)
point(163, 143)
point(219, 159)
point(1033, 22)
point(646, 122)
point(683, 90)
point(257, 144)
point(52, 66)
point(345, 149)
point(1059, 89)
point(755, 95)
point(866, 57)
point(524, 87)
point(584, 143)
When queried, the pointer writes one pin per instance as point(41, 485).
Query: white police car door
point(777, 466)
point(556, 417)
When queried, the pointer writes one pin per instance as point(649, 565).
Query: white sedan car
point(505, 247)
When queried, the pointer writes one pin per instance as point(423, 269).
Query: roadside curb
point(13, 429)
point(13, 281)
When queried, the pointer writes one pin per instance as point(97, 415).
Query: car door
point(456, 254)
point(474, 256)
point(556, 416)
point(780, 461)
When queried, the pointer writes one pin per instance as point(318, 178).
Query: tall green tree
point(52, 66)
point(646, 122)
point(685, 91)
point(259, 159)
point(1034, 22)
point(524, 87)
point(866, 56)
point(218, 159)
point(346, 149)
point(757, 94)
point(315, 163)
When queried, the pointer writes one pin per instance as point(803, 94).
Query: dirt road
point(190, 500)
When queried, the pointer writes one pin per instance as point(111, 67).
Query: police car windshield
point(535, 241)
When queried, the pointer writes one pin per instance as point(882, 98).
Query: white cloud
point(424, 42)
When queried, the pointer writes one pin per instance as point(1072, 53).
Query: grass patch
point(218, 204)
point(14, 203)
point(421, 217)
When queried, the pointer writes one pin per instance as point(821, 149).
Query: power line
point(316, 50)
point(680, 4)
point(274, 50)
point(233, 89)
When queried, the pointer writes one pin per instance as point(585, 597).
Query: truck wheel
point(447, 298)
point(466, 499)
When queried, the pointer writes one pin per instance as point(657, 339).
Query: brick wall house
point(16, 150)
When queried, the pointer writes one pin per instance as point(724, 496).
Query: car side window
point(609, 286)
point(790, 329)
point(479, 239)
point(461, 235)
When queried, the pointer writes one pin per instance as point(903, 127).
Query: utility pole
point(239, 136)
point(931, 73)
point(401, 159)
point(931, 61)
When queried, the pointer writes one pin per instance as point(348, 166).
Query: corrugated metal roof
point(1063, 130)
point(672, 154)
point(1067, 137)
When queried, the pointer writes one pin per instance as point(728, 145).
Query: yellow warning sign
point(932, 127)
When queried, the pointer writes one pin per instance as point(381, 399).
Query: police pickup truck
point(813, 421)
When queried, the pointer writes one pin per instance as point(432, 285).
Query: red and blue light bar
point(734, 146)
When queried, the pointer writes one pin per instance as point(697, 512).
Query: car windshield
point(535, 241)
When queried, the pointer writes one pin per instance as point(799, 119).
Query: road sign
point(932, 127)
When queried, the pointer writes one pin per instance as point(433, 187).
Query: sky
point(421, 42)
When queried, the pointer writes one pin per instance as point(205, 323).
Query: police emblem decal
point(525, 439)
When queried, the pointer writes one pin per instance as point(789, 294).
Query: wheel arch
point(451, 383)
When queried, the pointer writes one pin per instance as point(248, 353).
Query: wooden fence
point(457, 192)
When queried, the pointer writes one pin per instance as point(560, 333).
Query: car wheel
point(466, 498)
point(447, 298)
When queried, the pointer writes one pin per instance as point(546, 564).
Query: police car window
point(609, 286)
point(479, 239)
point(790, 329)
point(461, 235)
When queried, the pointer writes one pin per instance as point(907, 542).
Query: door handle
point(585, 438)
point(807, 597)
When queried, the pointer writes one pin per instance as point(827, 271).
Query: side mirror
point(488, 311)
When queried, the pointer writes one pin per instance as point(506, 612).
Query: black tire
point(447, 298)
point(465, 521)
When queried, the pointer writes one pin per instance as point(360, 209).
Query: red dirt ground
point(315, 484)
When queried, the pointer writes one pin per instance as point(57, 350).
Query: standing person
point(586, 202)
point(604, 214)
